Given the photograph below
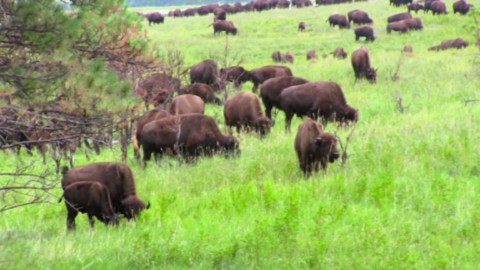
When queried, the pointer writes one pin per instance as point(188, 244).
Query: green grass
point(408, 197)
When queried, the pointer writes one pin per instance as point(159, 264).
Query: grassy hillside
point(408, 197)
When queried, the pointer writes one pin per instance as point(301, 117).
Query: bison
point(314, 146)
point(188, 135)
point(288, 57)
point(340, 20)
point(322, 99)
point(89, 197)
point(361, 65)
point(359, 17)
point(408, 48)
point(148, 117)
point(438, 7)
point(364, 31)
point(399, 17)
point(457, 43)
point(272, 88)
point(461, 7)
point(185, 104)
point(415, 7)
point(119, 180)
point(224, 26)
point(339, 52)
point(261, 74)
point(405, 25)
point(277, 56)
point(244, 111)
point(236, 74)
point(301, 27)
point(155, 18)
point(204, 91)
point(219, 14)
point(312, 54)
point(206, 72)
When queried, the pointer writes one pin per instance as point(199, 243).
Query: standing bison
point(361, 65)
point(272, 88)
point(148, 117)
point(188, 135)
point(236, 74)
point(155, 18)
point(438, 7)
point(364, 31)
point(204, 91)
point(117, 177)
point(359, 17)
point(321, 99)
point(314, 147)
point(259, 75)
point(92, 198)
point(206, 72)
point(277, 56)
point(224, 26)
point(340, 20)
point(461, 7)
point(244, 111)
point(301, 27)
point(415, 7)
point(187, 103)
point(312, 54)
point(339, 53)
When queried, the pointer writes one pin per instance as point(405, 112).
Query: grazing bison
point(236, 74)
point(359, 17)
point(157, 88)
point(461, 7)
point(399, 17)
point(415, 7)
point(301, 27)
point(204, 91)
point(340, 20)
point(321, 99)
point(224, 26)
point(457, 43)
point(405, 25)
point(288, 57)
point(408, 48)
point(364, 31)
point(117, 177)
point(148, 117)
point(219, 14)
point(361, 65)
point(261, 74)
point(92, 198)
point(272, 88)
point(312, 54)
point(339, 52)
point(438, 7)
point(314, 147)
point(154, 17)
point(188, 135)
point(206, 72)
point(277, 56)
point(244, 111)
point(185, 104)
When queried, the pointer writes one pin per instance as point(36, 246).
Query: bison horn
point(148, 205)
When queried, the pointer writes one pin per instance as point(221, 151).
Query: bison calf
point(92, 198)
point(314, 147)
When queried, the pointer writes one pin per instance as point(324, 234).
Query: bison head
point(132, 206)
point(231, 144)
point(371, 75)
point(263, 125)
point(327, 147)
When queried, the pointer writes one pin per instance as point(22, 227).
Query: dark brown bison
point(359, 17)
point(405, 25)
point(154, 17)
point(148, 117)
point(188, 135)
point(224, 26)
point(272, 88)
point(438, 7)
point(236, 74)
point(312, 54)
point(339, 52)
point(185, 104)
point(92, 198)
point(361, 65)
point(314, 147)
point(157, 88)
point(261, 74)
point(277, 56)
point(414, 23)
point(364, 31)
point(428, 5)
point(408, 48)
point(399, 17)
point(220, 14)
point(461, 7)
point(119, 180)
point(340, 20)
point(244, 111)
point(177, 13)
point(321, 99)
point(204, 91)
point(457, 43)
point(288, 57)
point(206, 72)
point(301, 27)
point(415, 7)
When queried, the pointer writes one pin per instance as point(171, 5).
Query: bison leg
point(72, 213)
point(268, 110)
point(91, 221)
point(288, 121)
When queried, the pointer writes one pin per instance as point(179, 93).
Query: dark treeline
point(140, 3)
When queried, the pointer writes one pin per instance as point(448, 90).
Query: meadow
point(407, 197)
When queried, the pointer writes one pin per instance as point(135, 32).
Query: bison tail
point(61, 198)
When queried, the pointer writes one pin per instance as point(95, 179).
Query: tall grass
point(406, 199)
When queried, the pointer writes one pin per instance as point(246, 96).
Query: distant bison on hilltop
point(155, 18)
point(314, 147)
